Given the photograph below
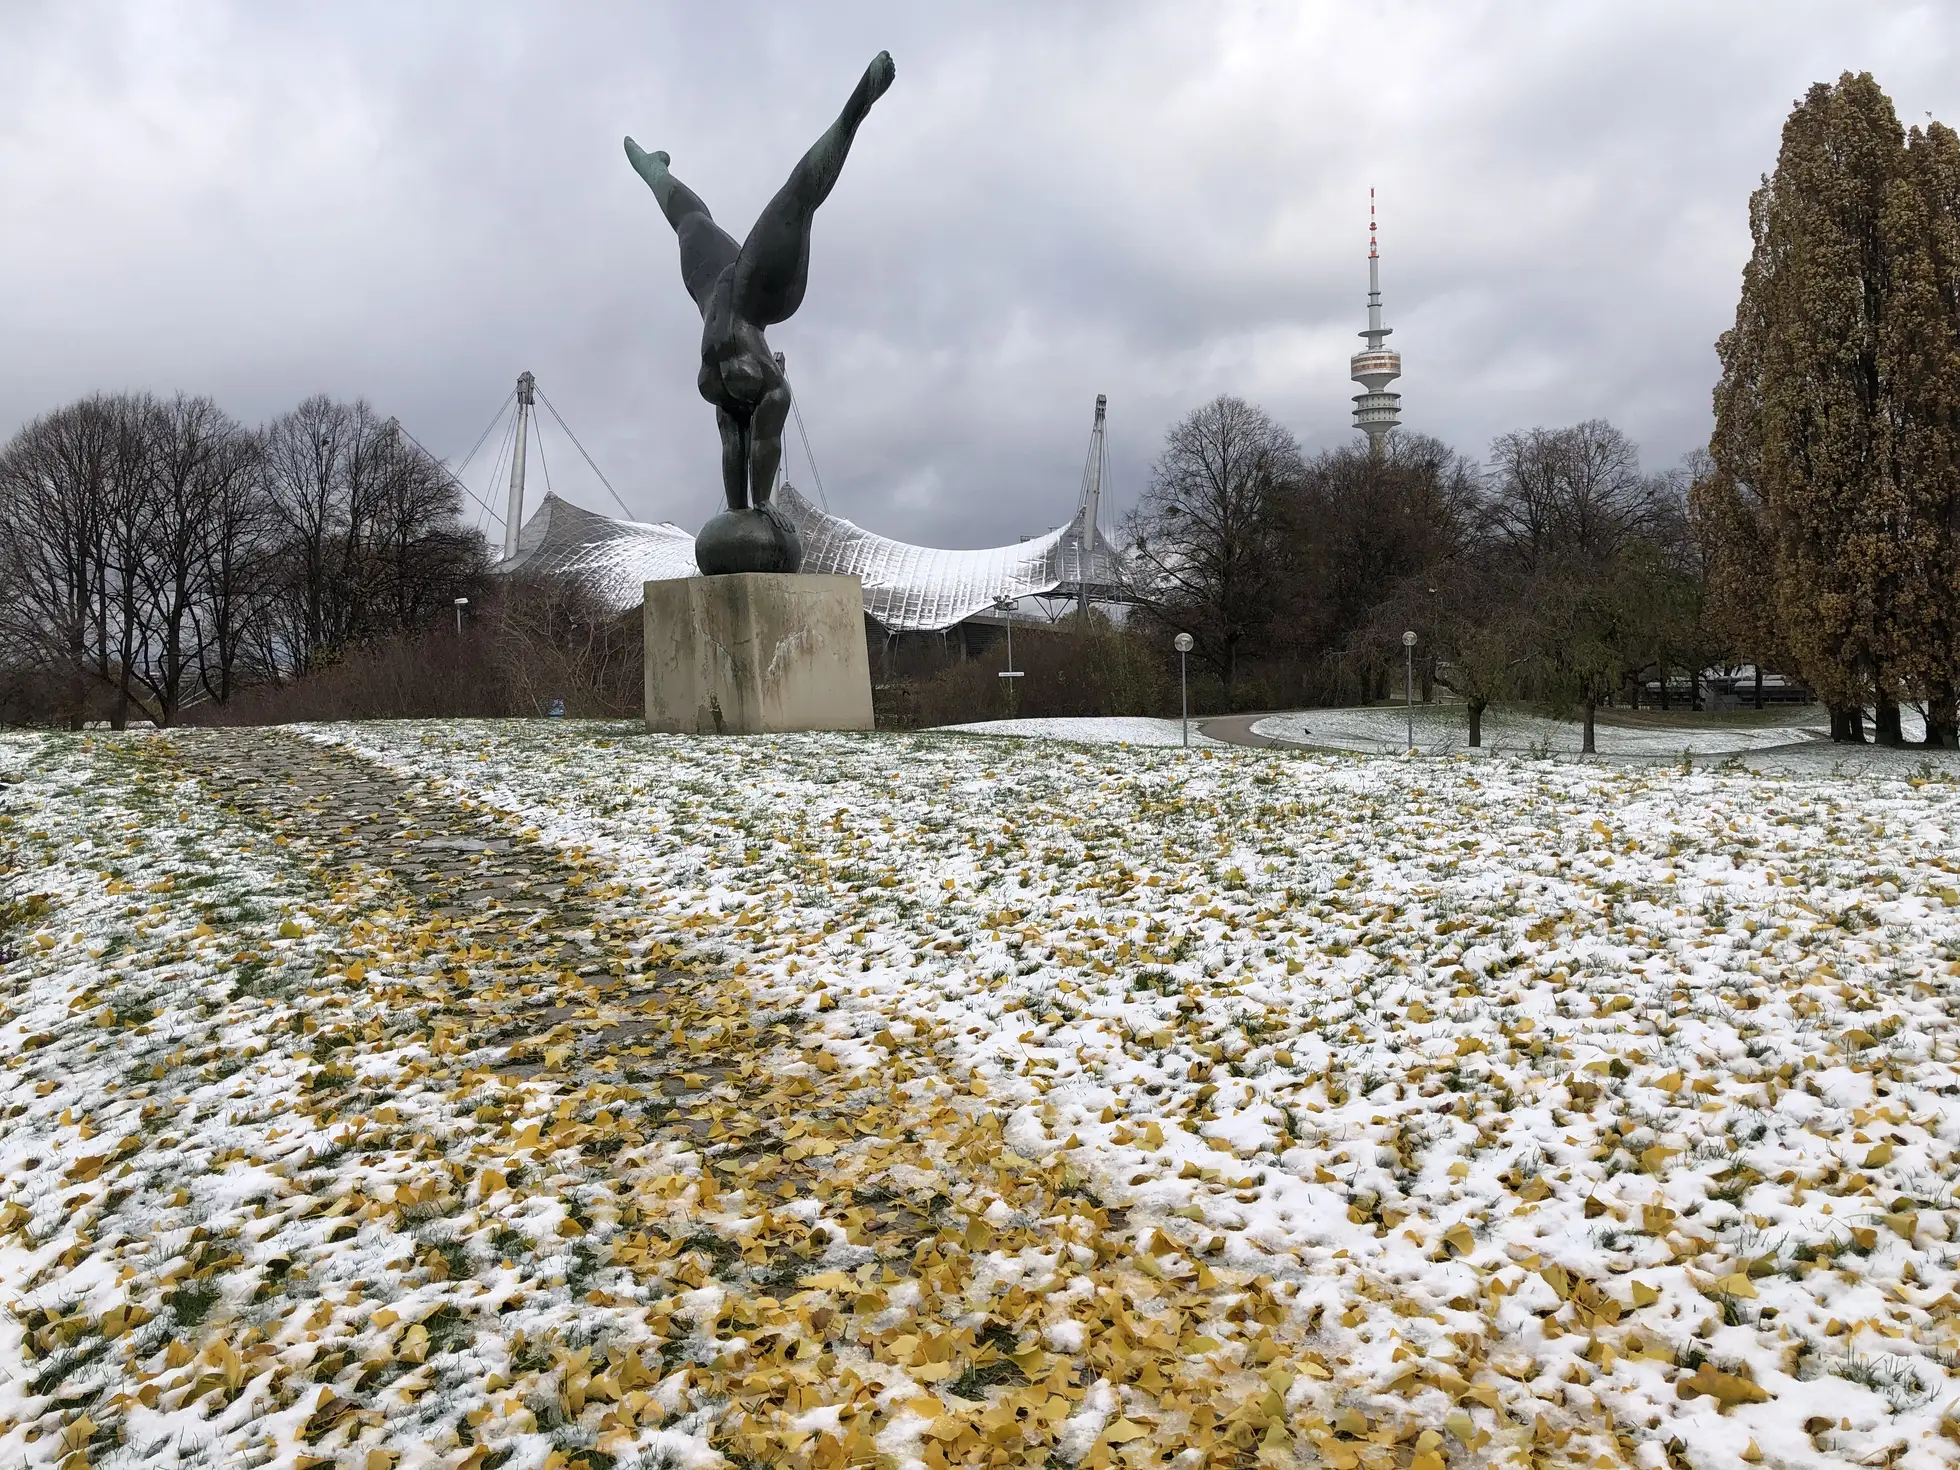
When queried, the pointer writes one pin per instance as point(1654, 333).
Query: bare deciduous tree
point(1205, 535)
point(153, 553)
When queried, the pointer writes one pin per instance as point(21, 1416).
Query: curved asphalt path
point(1237, 730)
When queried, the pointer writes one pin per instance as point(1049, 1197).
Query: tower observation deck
point(1376, 411)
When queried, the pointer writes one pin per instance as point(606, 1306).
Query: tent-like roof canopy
point(905, 587)
point(614, 559)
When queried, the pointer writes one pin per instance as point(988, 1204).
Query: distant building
point(1376, 411)
point(1715, 688)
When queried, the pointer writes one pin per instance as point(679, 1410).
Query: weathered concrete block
point(756, 652)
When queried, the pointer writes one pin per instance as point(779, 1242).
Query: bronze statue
point(741, 290)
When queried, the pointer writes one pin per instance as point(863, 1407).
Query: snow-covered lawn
point(1228, 1106)
point(1445, 727)
point(1091, 730)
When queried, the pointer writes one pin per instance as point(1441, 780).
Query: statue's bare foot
point(876, 82)
point(653, 168)
point(643, 160)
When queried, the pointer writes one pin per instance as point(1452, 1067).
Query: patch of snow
point(1445, 728)
point(1090, 730)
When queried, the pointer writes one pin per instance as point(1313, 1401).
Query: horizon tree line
point(1558, 573)
point(155, 553)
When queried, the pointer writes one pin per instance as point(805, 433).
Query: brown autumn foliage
point(1831, 515)
point(526, 645)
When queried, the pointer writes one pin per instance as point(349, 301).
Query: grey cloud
point(1157, 202)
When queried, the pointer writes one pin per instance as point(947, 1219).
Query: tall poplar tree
point(1919, 362)
point(1834, 489)
point(1796, 409)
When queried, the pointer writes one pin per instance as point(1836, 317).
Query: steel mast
point(1092, 478)
point(526, 389)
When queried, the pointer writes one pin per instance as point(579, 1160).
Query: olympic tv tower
point(1375, 367)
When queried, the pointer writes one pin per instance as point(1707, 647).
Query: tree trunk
point(77, 682)
point(1633, 690)
point(1759, 686)
point(1694, 689)
point(1885, 724)
point(1476, 722)
point(1847, 724)
point(1941, 720)
point(1588, 747)
point(1666, 700)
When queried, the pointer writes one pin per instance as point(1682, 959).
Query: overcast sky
point(413, 202)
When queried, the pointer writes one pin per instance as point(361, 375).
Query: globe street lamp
point(1409, 683)
point(461, 603)
point(1182, 643)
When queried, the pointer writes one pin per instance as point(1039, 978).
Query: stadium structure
point(907, 588)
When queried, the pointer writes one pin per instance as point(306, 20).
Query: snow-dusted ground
point(1443, 728)
point(1418, 1113)
point(1091, 730)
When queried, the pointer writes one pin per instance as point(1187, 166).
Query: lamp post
point(1409, 683)
point(1005, 606)
point(1182, 643)
point(1435, 622)
point(461, 603)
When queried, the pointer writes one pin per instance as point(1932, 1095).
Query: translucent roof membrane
point(908, 587)
point(905, 587)
point(614, 559)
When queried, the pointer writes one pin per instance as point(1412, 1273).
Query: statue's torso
point(737, 367)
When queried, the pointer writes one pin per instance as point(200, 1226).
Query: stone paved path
point(339, 810)
point(528, 907)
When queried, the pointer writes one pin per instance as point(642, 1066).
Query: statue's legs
point(774, 265)
point(766, 444)
point(734, 457)
point(706, 248)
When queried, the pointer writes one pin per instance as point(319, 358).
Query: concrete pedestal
point(756, 652)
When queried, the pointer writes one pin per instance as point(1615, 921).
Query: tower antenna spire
point(1376, 411)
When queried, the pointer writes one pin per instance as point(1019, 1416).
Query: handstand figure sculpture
point(740, 290)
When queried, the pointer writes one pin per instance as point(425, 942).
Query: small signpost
point(1005, 606)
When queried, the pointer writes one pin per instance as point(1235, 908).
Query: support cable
point(456, 478)
point(496, 462)
point(581, 449)
point(498, 418)
point(541, 461)
point(495, 419)
point(815, 473)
